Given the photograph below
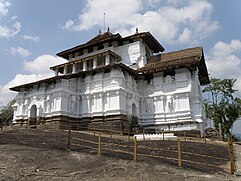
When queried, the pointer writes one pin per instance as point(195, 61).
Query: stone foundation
point(118, 123)
point(115, 123)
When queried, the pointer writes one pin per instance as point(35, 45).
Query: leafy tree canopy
point(6, 113)
point(221, 105)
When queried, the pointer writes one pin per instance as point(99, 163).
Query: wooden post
point(143, 133)
point(185, 136)
point(110, 132)
point(205, 140)
point(121, 128)
point(69, 139)
point(135, 148)
point(179, 153)
point(163, 136)
point(129, 136)
point(220, 131)
point(231, 155)
point(99, 146)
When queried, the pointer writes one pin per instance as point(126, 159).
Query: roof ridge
point(101, 35)
point(108, 36)
point(198, 47)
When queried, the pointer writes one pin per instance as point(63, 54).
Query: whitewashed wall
point(170, 100)
point(101, 94)
point(173, 100)
point(133, 53)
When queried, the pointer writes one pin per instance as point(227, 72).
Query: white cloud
point(173, 1)
point(68, 24)
point(7, 32)
point(12, 29)
point(152, 2)
point(189, 22)
point(185, 36)
point(195, 15)
point(41, 64)
point(4, 5)
point(94, 14)
point(14, 18)
point(39, 69)
point(19, 50)
point(31, 38)
point(223, 61)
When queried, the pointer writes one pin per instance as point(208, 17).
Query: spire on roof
point(104, 23)
point(136, 30)
point(99, 31)
point(108, 29)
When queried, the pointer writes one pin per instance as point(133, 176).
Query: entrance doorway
point(134, 118)
point(33, 115)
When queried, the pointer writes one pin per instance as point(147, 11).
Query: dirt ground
point(20, 161)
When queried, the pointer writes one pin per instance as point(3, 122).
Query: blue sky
point(32, 32)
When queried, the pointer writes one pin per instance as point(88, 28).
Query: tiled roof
point(109, 37)
point(101, 37)
point(109, 52)
point(191, 57)
point(78, 74)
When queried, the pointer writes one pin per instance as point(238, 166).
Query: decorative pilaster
point(56, 72)
point(94, 63)
point(84, 66)
point(74, 68)
point(65, 70)
point(107, 59)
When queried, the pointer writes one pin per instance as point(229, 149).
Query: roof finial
point(108, 29)
point(99, 31)
point(104, 23)
point(136, 30)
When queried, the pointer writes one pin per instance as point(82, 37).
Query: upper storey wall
point(130, 53)
point(133, 53)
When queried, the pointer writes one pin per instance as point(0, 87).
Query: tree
point(6, 114)
point(221, 105)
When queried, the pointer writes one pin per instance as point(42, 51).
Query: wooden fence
point(183, 153)
point(187, 151)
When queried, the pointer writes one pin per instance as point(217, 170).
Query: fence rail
point(183, 152)
point(176, 152)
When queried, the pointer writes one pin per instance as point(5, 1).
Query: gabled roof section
point(101, 38)
point(191, 57)
point(109, 37)
point(149, 39)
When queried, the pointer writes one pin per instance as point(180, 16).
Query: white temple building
point(120, 81)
